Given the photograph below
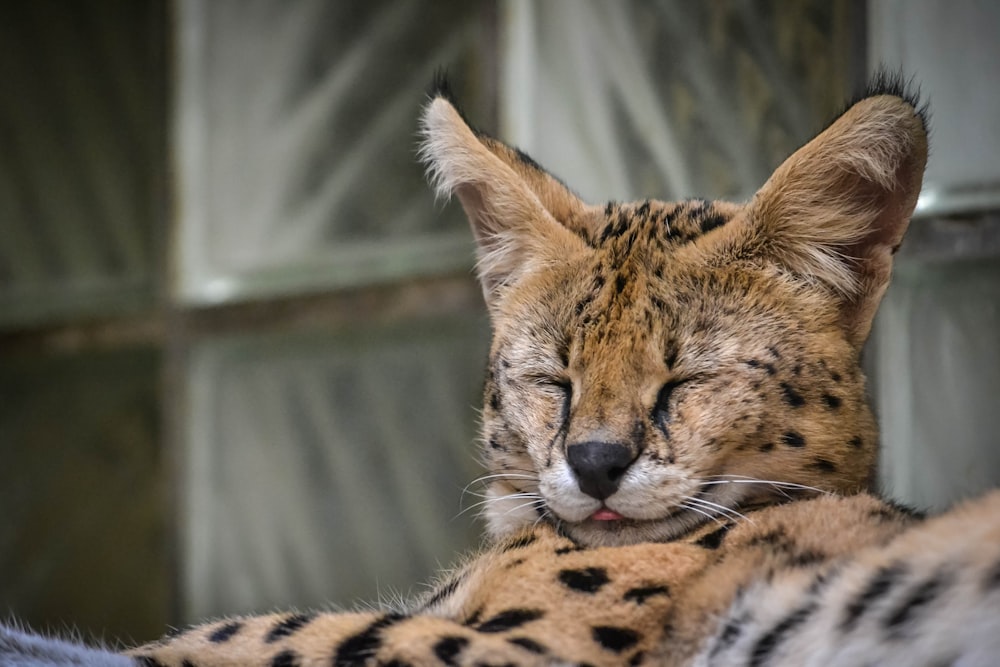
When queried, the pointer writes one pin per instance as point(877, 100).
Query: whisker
point(777, 487)
point(743, 479)
point(702, 512)
point(488, 501)
point(721, 509)
point(503, 475)
point(543, 515)
point(716, 509)
point(523, 505)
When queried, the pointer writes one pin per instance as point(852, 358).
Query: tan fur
point(716, 344)
point(788, 282)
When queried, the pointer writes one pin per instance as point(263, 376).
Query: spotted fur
point(678, 445)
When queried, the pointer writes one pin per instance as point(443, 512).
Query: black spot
point(730, 633)
point(880, 584)
point(992, 580)
point(855, 442)
point(771, 370)
point(396, 662)
point(225, 633)
point(587, 580)
point(528, 645)
point(807, 558)
point(640, 594)
point(774, 352)
point(287, 627)
point(356, 649)
point(792, 397)
point(187, 663)
point(620, 281)
point(562, 551)
point(474, 618)
point(832, 402)
point(444, 591)
point(615, 639)
point(772, 539)
point(510, 619)
point(670, 358)
point(711, 221)
point(824, 465)
point(767, 644)
point(614, 228)
point(637, 659)
point(286, 658)
point(448, 648)
point(766, 447)
point(793, 439)
point(520, 542)
point(714, 539)
point(915, 601)
point(494, 398)
point(149, 661)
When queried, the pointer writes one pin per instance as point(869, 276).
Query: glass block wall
point(296, 129)
point(325, 468)
point(83, 151)
point(85, 491)
point(240, 343)
point(669, 99)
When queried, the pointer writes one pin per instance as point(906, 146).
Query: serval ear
point(517, 210)
point(835, 212)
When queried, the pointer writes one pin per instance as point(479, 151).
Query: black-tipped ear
point(509, 206)
point(836, 210)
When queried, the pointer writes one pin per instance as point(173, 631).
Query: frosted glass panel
point(330, 468)
point(296, 130)
point(672, 98)
point(86, 538)
point(82, 157)
point(937, 344)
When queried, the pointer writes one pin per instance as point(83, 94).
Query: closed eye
point(565, 387)
point(664, 400)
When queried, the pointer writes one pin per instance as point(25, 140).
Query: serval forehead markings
point(664, 223)
point(634, 243)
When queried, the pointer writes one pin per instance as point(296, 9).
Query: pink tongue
point(604, 514)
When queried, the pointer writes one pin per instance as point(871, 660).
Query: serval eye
point(661, 412)
point(564, 386)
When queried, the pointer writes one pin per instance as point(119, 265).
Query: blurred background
point(241, 348)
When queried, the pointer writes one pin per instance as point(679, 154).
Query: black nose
point(598, 466)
